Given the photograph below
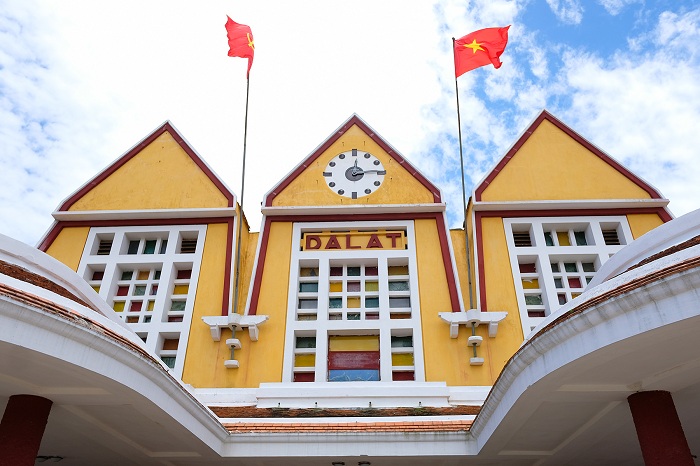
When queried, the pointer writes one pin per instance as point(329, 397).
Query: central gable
point(308, 183)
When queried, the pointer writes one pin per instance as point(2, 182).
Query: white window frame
point(156, 331)
point(322, 327)
point(595, 251)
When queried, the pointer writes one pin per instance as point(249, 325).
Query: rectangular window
point(574, 248)
point(129, 265)
point(356, 296)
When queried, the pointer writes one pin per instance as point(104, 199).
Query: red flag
point(480, 48)
point(240, 41)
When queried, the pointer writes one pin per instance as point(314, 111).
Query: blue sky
point(81, 83)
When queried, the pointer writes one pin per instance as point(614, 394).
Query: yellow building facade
point(355, 281)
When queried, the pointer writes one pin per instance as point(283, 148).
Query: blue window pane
point(353, 375)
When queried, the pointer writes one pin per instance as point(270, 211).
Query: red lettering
point(316, 242)
point(348, 245)
point(393, 236)
point(374, 242)
point(333, 243)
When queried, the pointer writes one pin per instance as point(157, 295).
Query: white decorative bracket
point(472, 316)
point(235, 322)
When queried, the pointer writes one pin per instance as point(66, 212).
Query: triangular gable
point(605, 177)
point(193, 181)
point(321, 153)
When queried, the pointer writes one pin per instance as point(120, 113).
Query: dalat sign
point(334, 241)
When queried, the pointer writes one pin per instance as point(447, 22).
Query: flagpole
point(240, 204)
point(464, 191)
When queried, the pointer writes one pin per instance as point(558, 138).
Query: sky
point(82, 81)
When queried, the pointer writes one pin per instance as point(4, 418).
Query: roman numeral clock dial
point(354, 174)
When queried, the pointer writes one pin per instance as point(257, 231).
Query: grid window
point(353, 315)
point(149, 286)
point(565, 255)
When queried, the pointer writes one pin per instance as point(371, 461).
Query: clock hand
point(355, 169)
point(374, 171)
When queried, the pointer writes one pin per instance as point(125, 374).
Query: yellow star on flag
point(474, 46)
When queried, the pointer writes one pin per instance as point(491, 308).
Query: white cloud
point(567, 11)
point(614, 7)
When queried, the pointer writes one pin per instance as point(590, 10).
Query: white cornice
point(481, 206)
point(154, 214)
point(354, 209)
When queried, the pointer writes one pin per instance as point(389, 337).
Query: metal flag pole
point(464, 191)
point(240, 204)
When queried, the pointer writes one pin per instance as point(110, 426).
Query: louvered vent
point(104, 248)
point(522, 239)
point(188, 246)
point(611, 238)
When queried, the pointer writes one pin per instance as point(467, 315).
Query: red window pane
point(527, 268)
point(304, 377)
point(122, 291)
point(574, 282)
point(403, 375)
point(135, 306)
point(184, 274)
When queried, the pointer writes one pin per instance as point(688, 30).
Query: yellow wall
point(69, 245)
point(501, 296)
point(446, 359)
point(553, 166)
point(643, 223)
point(310, 188)
point(260, 361)
point(133, 186)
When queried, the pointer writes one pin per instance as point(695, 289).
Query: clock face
point(354, 174)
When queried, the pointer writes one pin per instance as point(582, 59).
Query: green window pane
point(588, 267)
point(177, 306)
point(127, 274)
point(306, 342)
point(402, 342)
point(580, 238)
point(570, 266)
point(372, 302)
point(156, 275)
point(533, 299)
point(150, 247)
point(353, 316)
point(163, 246)
point(139, 290)
point(548, 239)
point(353, 271)
point(555, 267)
point(335, 303)
point(398, 286)
point(308, 287)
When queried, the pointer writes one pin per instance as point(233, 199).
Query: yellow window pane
point(181, 289)
point(143, 275)
point(402, 359)
point(119, 307)
point(353, 302)
point(532, 283)
point(353, 343)
point(563, 237)
point(575, 295)
point(308, 272)
point(149, 307)
point(371, 286)
point(398, 270)
point(96, 288)
point(305, 360)
point(336, 287)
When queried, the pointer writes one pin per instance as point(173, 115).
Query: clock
point(354, 174)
